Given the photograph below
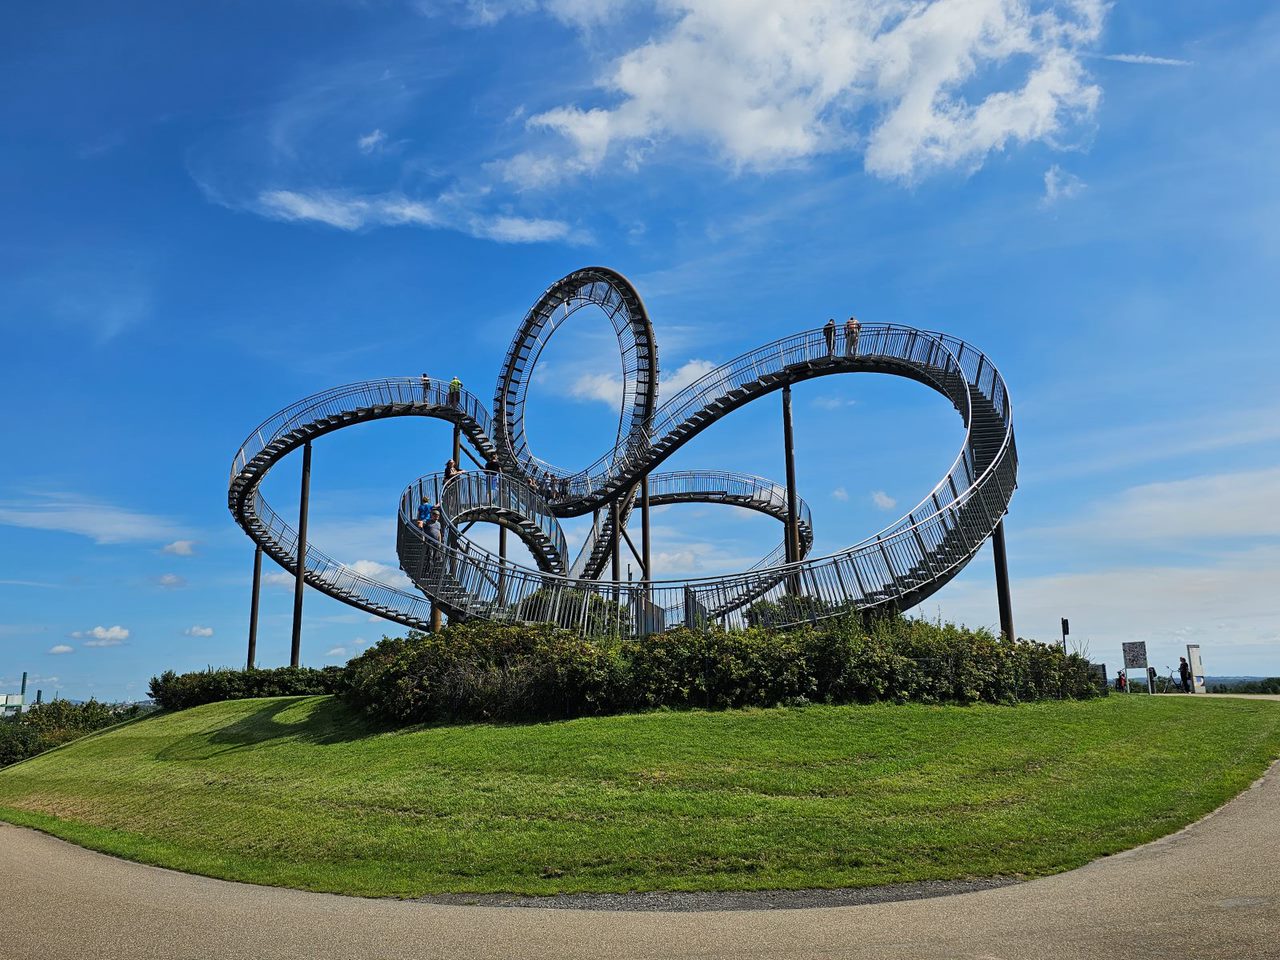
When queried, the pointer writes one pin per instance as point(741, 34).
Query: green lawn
point(299, 792)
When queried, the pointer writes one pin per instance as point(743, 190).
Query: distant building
point(11, 704)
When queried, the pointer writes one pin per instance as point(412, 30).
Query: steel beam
point(1002, 581)
point(789, 452)
point(300, 579)
point(253, 608)
point(615, 517)
point(644, 527)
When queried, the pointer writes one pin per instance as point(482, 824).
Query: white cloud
point(1213, 507)
point(882, 500)
point(349, 212)
point(1060, 185)
point(102, 636)
point(606, 388)
point(840, 493)
point(171, 581)
point(684, 375)
point(334, 652)
point(71, 513)
point(603, 387)
point(279, 578)
point(1228, 603)
point(1147, 59)
point(198, 631)
point(181, 548)
point(60, 648)
point(828, 402)
point(907, 84)
point(371, 141)
point(383, 573)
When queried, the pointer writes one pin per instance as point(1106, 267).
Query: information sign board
point(1135, 655)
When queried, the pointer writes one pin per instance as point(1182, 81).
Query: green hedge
point(484, 671)
point(174, 691)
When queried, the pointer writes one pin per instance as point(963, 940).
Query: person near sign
point(1184, 674)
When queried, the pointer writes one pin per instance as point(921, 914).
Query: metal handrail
point(907, 559)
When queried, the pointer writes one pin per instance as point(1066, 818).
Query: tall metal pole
point(502, 564)
point(299, 582)
point(789, 451)
point(615, 517)
point(1002, 581)
point(644, 527)
point(457, 447)
point(253, 609)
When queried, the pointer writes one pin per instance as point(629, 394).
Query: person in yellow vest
point(455, 392)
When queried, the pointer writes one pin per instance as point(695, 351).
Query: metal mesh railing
point(901, 564)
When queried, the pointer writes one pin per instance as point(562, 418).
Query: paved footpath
point(1210, 891)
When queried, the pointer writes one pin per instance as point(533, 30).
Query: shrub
point(482, 671)
point(485, 671)
point(175, 691)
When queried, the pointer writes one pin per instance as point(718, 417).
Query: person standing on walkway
point(450, 470)
point(491, 474)
point(851, 330)
point(426, 387)
point(424, 512)
point(455, 392)
point(829, 332)
point(1184, 674)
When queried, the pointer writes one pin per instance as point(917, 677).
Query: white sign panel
point(1197, 667)
point(1135, 655)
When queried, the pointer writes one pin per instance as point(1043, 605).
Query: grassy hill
point(300, 792)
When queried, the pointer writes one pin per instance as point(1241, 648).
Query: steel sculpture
point(893, 569)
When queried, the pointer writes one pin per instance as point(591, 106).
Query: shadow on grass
point(326, 722)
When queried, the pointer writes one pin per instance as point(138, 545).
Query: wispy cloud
point(1210, 507)
point(60, 648)
point(1060, 185)
point(71, 513)
point(171, 581)
point(355, 212)
point(840, 493)
point(371, 141)
point(1147, 59)
point(198, 631)
point(181, 548)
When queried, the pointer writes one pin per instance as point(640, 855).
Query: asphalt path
point(1209, 891)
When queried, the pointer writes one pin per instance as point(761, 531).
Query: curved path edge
point(1209, 890)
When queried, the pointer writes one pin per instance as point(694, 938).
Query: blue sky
point(213, 212)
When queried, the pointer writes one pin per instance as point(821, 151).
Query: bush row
point(54, 723)
point(486, 671)
point(174, 691)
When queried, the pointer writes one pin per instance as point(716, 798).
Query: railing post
point(1002, 581)
point(253, 608)
point(300, 581)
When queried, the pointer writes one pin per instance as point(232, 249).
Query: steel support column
point(502, 564)
point(1002, 581)
point(300, 581)
point(644, 527)
point(789, 452)
point(615, 517)
point(253, 608)
point(457, 447)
